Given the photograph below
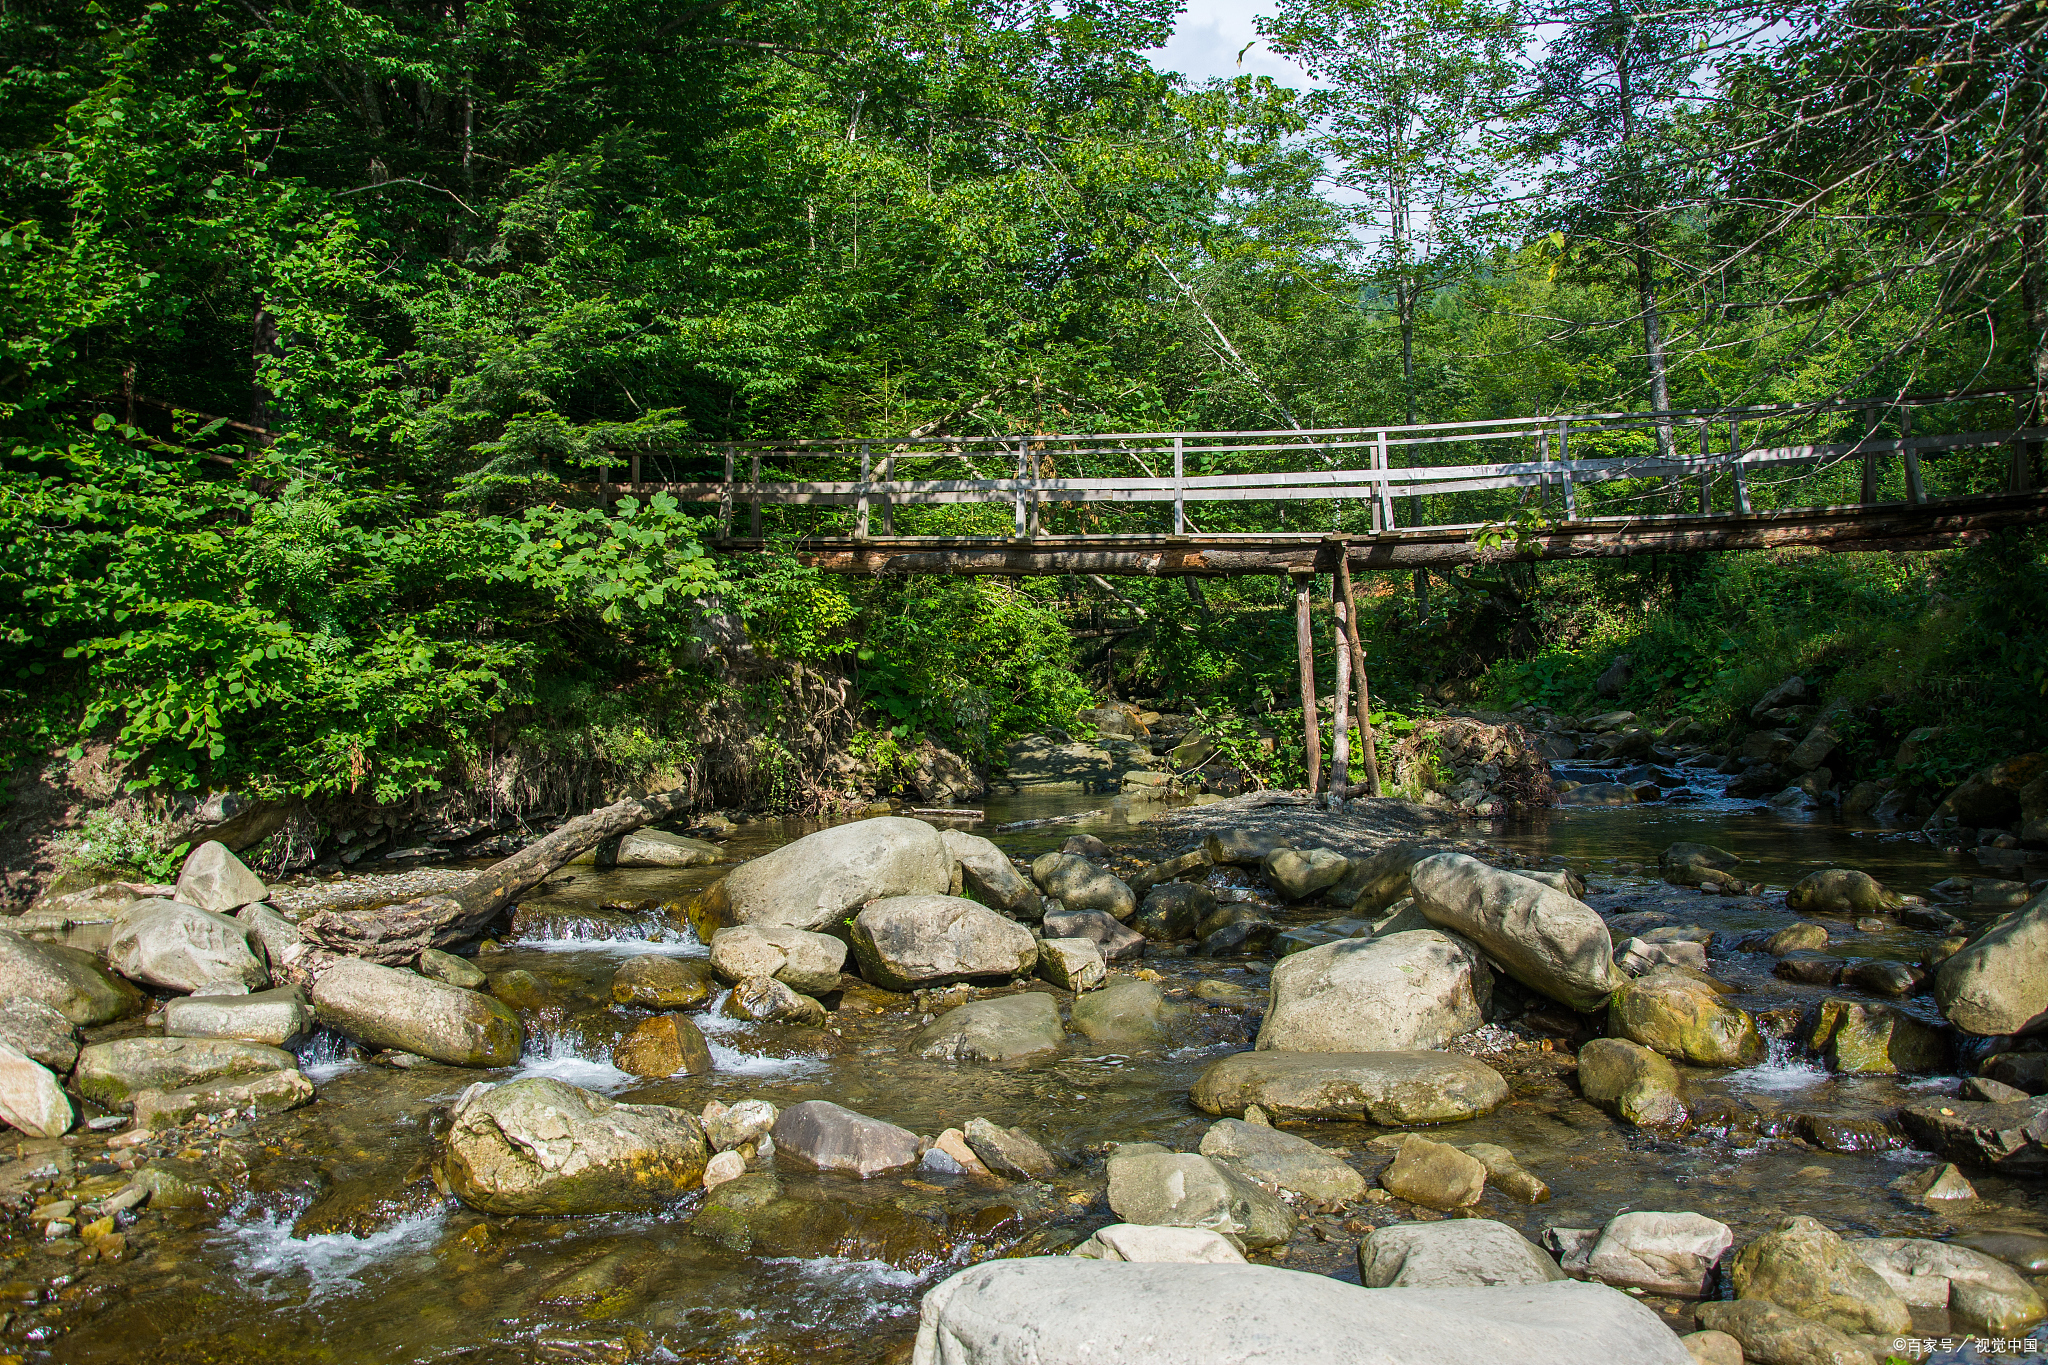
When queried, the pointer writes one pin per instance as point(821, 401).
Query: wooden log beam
point(395, 935)
point(1369, 755)
point(1340, 713)
point(1305, 652)
point(1889, 526)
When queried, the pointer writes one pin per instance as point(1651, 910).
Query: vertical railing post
point(1543, 479)
point(604, 485)
point(635, 475)
point(754, 485)
point(1017, 492)
point(1340, 714)
point(1916, 487)
point(889, 494)
point(1735, 464)
point(2019, 475)
point(1305, 657)
point(1867, 493)
point(1564, 467)
point(725, 500)
point(1706, 470)
point(1384, 521)
point(1180, 506)
point(860, 498)
point(1034, 452)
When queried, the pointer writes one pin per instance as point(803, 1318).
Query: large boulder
point(1373, 883)
point(1861, 1039)
point(1660, 1253)
point(68, 980)
point(1386, 994)
point(1079, 884)
point(817, 881)
point(1998, 984)
point(1804, 1267)
point(1173, 910)
point(1979, 1292)
point(266, 1092)
point(1542, 937)
point(1063, 1310)
point(1281, 1162)
point(807, 963)
point(1684, 1019)
point(660, 981)
point(1140, 1242)
point(666, 1045)
point(2011, 1137)
point(658, 848)
point(831, 1138)
point(179, 947)
point(541, 1146)
point(1688, 864)
point(110, 1074)
point(988, 875)
point(385, 1007)
point(1001, 1029)
point(760, 1215)
point(1434, 1175)
point(1118, 942)
point(1299, 873)
point(1839, 891)
point(1392, 1089)
point(1773, 1336)
point(1630, 1080)
point(31, 1098)
point(908, 941)
point(276, 1017)
point(1456, 1253)
point(35, 1030)
point(1185, 1190)
point(215, 879)
point(1126, 1014)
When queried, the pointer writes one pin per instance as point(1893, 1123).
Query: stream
point(335, 1247)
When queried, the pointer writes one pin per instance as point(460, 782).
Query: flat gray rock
point(181, 947)
point(833, 1138)
point(1388, 993)
point(1058, 1310)
point(35, 1030)
point(1280, 1161)
point(908, 941)
point(1458, 1252)
point(277, 1017)
point(1184, 1190)
point(816, 881)
point(109, 1074)
point(999, 1030)
point(1394, 1089)
point(384, 1007)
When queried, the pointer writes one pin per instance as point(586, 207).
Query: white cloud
point(1209, 36)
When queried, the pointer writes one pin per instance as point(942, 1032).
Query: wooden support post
point(1340, 713)
point(1367, 754)
point(1564, 458)
point(1916, 487)
point(1543, 458)
point(1735, 463)
point(1180, 505)
point(754, 483)
point(635, 475)
point(1867, 494)
point(604, 486)
point(889, 498)
point(1033, 454)
point(1706, 474)
point(860, 499)
point(725, 500)
point(1384, 521)
point(1305, 651)
point(1017, 493)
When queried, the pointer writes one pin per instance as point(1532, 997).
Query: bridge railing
point(1542, 458)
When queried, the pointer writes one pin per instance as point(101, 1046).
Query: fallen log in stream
point(395, 935)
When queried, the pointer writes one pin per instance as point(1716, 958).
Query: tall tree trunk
point(1645, 261)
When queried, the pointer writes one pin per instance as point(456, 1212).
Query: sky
point(1207, 38)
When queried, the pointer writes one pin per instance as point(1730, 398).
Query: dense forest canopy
point(316, 314)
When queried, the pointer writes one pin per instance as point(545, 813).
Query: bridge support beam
point(1889, 526)
point(1305, 651)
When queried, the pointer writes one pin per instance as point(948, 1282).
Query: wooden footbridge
point(1556, 487)
point(1836, 476)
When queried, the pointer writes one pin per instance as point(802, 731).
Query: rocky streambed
point(1065, 1075)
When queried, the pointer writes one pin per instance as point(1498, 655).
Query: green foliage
point(108, 844)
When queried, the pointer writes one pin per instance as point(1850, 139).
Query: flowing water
point(335, 1247)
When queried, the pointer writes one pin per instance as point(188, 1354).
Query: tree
point(1410, 88)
